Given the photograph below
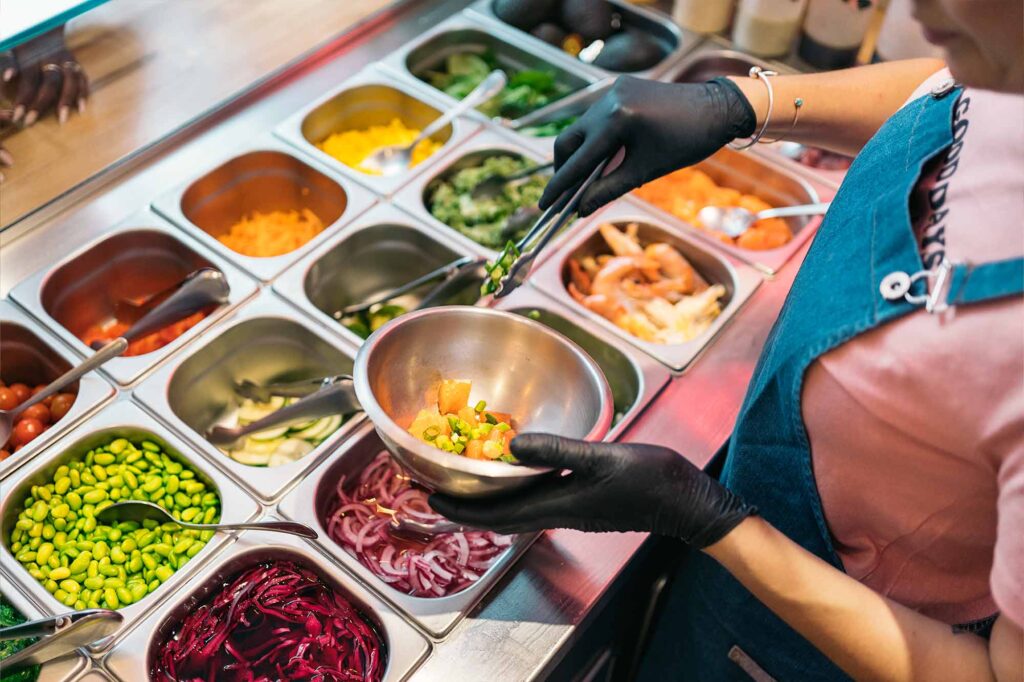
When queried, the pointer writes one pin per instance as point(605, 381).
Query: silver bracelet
point(762, 75)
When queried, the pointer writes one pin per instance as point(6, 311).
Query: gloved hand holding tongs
point(500, 277)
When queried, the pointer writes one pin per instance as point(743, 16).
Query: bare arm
point(841, 109)
point(865, 634)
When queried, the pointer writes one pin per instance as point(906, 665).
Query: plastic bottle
point(833, 31)
point(767, 28)
point(703, 16)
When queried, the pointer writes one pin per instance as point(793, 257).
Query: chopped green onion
point(533, 314)
point(503, 427)
point(490, 418)
point(480, 407)
point(431, 432)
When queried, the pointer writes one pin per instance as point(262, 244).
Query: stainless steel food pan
point(635, 378)
point(372, 97)
point(137, 257)
point(121, 419)
point(406, 649)
point(739, 281)
point(674, 41)
point(265, 340)
point(384, 249)
point(468, 32)
point(28, 355)
point(309, 503)
point(264, 176)
point(414, 197)
point(765, 178)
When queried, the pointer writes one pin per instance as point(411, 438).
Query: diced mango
point(453, 395)
point(426, 419)
point(475, 449)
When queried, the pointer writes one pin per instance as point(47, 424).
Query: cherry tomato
point(37, 411)
point(4, 454)
point(60, 406)
point(25, 431)
point(8, 401)
point(37, 389)
point(22, 391)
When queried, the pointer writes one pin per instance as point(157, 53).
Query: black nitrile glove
point(611, 487)
point(662, 126)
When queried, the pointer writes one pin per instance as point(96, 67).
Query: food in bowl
point(277, 620)
point(281, 444)
point(453, 426)
point(352, 147)
point(10, 616)
point(651, 291)
point(34, 420)
point(484, 220)
point(685, 192)
point(527, 90)
point(85, 564)
point(360, 519)
point(110, 329)
point(275, 233)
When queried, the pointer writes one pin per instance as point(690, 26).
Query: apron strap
point(955, 283)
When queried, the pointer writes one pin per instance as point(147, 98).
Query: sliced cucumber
point(251, 458)
point(318, 429)
point(262, 447)
point(275, 433)
point(290, 450)
point(249, 411)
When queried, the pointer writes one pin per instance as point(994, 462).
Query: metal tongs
point(320, 398)
point(60, 635)
point(510, 276)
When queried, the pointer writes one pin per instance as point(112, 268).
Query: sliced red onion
point(360, 518)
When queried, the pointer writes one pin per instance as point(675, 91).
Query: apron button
point(943, 88)
point(895, 286)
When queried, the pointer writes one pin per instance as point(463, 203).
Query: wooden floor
point(155, 65)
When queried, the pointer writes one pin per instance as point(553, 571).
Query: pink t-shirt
point(917, 427)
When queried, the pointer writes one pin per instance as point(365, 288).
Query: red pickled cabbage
point(275, 621)
point(359, 520)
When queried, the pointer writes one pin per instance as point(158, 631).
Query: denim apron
point(863, 270)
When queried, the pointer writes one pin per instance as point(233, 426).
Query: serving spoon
point(139, 511)
point(59, 635)
point(203, 287)
point(734, 221)
point(395, 159)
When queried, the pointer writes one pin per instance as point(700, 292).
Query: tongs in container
point(512, 266)
point(324, 397)
point(59, 635)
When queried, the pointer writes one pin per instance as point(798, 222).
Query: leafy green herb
point(8, 617)
point(365, 323)
point(498, 269)
point(527, 90)
point(549, 129)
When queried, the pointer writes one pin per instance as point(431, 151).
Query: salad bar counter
point(269, 192)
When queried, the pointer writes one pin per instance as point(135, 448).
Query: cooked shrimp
point(619, 242)
point(672, 264)
point(579, 276)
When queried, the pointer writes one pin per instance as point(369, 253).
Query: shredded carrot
point(110, 330)
point(685, 192)
point(351, 147)
point(271, 234)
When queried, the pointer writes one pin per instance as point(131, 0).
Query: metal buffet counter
point(544, 608)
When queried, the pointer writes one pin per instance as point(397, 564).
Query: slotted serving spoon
point(397, 158)
point(734, 221)
point(139, 511)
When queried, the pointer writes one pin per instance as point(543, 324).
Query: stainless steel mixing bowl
point(545, 381)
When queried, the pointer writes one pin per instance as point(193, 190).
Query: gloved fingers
point(28, 85)
point(545, 449)
point(566, 144)
point(50, 79)
point(8, 66)
point(517, 512)
point(594, 150)
point(68, 91)
point(5, 157)
point(627, 177)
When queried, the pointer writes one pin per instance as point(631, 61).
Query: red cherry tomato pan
point(36, 418)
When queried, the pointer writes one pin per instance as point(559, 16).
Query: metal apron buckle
point(897, 285)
